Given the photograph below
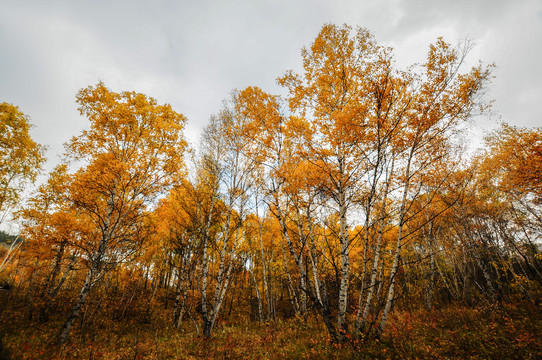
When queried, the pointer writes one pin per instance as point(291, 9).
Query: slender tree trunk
point(205, 267)
point(204, 275)
point(31, 294)
point(264, 265)
point(361, 319)
point(76, 309)
point(491, 289)
point(398, 245)
point(431, 286)
point(57, 262)
point(293, 294)
point(179, 306)
point(53, 290)
point(291, 290)
point(258, 296)
point(345, 268)
point(217, 303)
point(432, 272)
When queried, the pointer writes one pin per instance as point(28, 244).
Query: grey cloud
point(191, 54)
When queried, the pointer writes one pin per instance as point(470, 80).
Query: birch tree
point(131, 153)
point(223, 161)
point(21, 158)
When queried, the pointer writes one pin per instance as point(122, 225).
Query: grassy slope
point(509, 332)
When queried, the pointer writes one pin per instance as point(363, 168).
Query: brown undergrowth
point(507, 332)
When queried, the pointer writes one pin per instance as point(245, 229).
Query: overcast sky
point(191, 54)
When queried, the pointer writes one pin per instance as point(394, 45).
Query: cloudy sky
point(191, 54)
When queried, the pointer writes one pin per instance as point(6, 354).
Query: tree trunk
point(258, 296)
point(345, 269)
point(266, 292)
point(398, 245)
point(76, 309)
point(53, 290)
point(361, 320)
point(179, 307)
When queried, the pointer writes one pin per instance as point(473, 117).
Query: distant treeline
point(6, 238)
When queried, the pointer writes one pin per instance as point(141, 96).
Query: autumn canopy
point(343, 204)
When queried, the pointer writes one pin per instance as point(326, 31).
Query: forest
point(342, 219)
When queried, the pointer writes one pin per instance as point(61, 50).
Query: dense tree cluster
point(347, 198)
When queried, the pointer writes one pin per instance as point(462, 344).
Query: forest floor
point(505, 332)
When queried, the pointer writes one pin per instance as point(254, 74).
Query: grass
point(508, 332)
